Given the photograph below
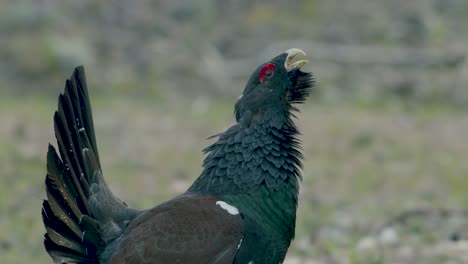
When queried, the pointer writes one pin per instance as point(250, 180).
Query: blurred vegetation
point(362, 50)
point(384, 132)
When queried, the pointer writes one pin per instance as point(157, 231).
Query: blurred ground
point(384, 134)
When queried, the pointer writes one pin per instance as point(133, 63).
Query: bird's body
point(241, 209)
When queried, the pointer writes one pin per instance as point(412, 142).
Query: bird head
point(275, 86)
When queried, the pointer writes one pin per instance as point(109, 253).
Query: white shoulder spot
point(240, 243)
point(231, 209)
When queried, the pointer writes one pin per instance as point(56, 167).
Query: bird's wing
point(187, 229)
point(79, 205)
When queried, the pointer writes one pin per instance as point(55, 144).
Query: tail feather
point(56, 186)
point(64, 255)
point(69, 157)
point(85, 109)
point(91, 237)
point(60, 235)
point(79, 205)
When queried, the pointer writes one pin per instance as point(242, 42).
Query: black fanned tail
point(79, 205)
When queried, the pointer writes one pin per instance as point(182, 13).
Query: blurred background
point(384, 134)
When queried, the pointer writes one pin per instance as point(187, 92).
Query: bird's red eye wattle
point(266, 72)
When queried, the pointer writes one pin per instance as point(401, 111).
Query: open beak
point(292, 53)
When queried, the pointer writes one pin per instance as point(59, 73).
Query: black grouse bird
point(241, 209)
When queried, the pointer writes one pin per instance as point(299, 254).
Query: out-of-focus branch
point(364, 56)
point(391, 56)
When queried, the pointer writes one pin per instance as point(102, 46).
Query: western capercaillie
point(241, 209)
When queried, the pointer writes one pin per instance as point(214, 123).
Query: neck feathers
point(258, 151)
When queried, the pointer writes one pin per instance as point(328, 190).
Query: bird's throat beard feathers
point(260, 150)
